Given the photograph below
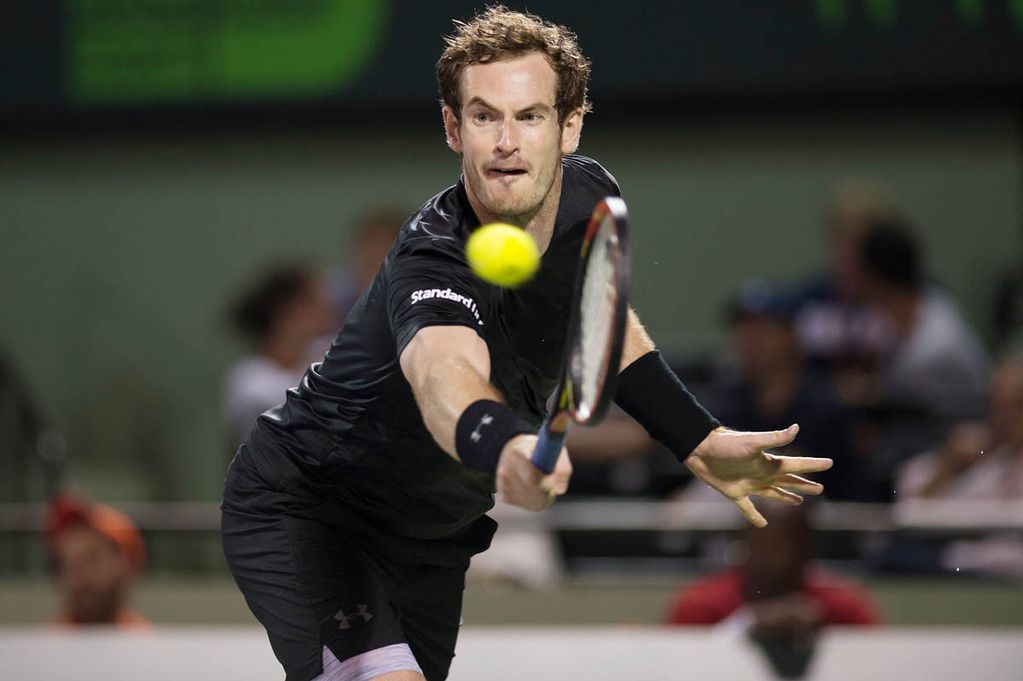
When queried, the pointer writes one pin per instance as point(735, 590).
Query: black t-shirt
point(352, 431)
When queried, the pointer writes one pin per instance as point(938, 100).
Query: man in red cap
point(99, 553)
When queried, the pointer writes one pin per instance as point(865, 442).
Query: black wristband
point(650, 392)
point(482, 431)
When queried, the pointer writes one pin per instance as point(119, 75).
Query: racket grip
point(548, 446)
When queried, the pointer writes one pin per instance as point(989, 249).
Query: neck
point(539, 223)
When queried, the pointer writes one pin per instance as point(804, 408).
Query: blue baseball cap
point(759, 298)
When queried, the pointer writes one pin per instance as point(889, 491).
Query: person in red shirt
point(99, 554)
point(777, 590)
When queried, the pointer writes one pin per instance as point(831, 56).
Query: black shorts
point(316, 574)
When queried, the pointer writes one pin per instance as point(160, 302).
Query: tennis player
point(351, 511)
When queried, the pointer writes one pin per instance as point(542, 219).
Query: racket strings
point(597, 307)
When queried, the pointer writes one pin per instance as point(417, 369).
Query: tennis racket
point(596, 331)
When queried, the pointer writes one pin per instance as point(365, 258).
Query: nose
point(508, 139)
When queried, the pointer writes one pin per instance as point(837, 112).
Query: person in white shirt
point(935, 374)
point(284, 316)
point(981, 461)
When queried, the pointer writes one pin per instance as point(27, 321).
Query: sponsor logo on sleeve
point(447, 294)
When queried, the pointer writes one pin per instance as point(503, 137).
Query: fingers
point(779, 494)
point(750, 511)
point(803, 464)
point(773, 438)
point(795, 483)
point(519, 482)
point(557, 482)
point(564, 464)
point(552, 484)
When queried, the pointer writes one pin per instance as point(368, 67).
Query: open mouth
point(505, 172)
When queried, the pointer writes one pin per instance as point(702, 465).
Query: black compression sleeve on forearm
point(483, 430)
point(650, 392)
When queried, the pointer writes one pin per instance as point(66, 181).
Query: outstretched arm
point(637, 340)
point(736, 464)
point(448, 368)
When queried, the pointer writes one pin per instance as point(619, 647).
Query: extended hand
point(522, 484)
point(736, 465)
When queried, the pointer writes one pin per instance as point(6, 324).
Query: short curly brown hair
point(499, 33)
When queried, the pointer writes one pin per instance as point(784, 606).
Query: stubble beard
point(516, 215)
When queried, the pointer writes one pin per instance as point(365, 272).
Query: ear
point(571, 131)
point(451, 131)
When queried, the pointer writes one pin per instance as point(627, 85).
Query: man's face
point(509, 136)
point(93, 575)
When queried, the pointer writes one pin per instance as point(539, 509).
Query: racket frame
point(567, 409)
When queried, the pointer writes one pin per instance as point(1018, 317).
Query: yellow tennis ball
point(502, 254)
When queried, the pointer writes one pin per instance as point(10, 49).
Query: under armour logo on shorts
point(475, 435)
point(343, 619)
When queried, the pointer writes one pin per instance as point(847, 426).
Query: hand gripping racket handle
point(548, 446)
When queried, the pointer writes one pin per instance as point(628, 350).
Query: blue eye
point(482, 117)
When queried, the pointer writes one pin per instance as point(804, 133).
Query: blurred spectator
point(836, 329)
point(776, 594)
point(32, 457)
point(372, 237)
point(20, 429)
point(1008, 312)
point(773, 388)
point(978, 461)
point(99, 555)
point(283, 316)
point(936, 371)
point(523, 553)
point(777, 584)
